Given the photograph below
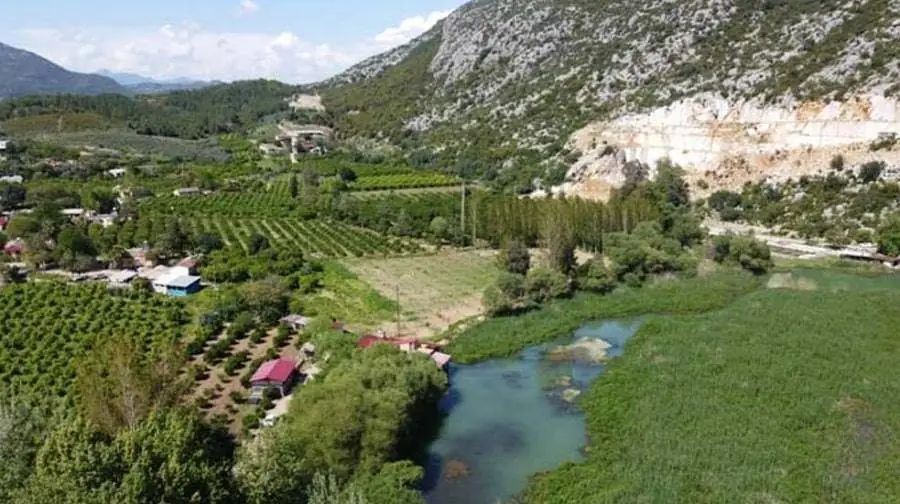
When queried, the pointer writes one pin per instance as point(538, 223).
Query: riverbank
point(779, 396)
point(504, 336)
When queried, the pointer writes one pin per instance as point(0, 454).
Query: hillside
point(25, 73)
point(497, 77)
point(138, 84)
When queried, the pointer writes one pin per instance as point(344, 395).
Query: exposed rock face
point(727, 143)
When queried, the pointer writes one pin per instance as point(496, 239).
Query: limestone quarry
point(726, 144)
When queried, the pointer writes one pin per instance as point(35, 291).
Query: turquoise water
point(507, 419)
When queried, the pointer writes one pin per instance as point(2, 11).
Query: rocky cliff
point(501, 77)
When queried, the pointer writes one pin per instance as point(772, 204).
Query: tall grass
point(782, 396)
point(504, 336)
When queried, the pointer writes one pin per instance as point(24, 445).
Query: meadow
point(435, 290)
point(782, 396)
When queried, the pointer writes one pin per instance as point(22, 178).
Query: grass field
point(435, 291)
point(782, 396)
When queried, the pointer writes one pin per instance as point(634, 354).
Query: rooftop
point(278, 370)
point(182, 281)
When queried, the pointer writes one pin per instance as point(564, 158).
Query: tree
point(12, 196)
point(837, 163)
point(515, 257)
point(749, 253)
point(671, 185)
point(99, 200)
point(72, 245)
point(439, 228)
point(173, 241)
point(596, 277)
point(347, 175)
point(871, 171)
point(267, 299)
point(120, 382)
point(206, 243)
point(20, 431)
point(542, 285)
point(22, 225)
point(888, 236)
point(292, 186)
point(257, 244)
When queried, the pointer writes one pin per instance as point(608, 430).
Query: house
point(116, 172)
point(408, 345)
point(12, 179)
point(177, 285)
point(14, 248)
point(295, 322)
point(186, 266)
point(278, 374)
point(186, 191)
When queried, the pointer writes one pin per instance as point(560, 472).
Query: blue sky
point(291, 40)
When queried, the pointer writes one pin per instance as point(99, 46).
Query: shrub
point(837, 163)
point(515, 257)
point(542, 285)
point(596, 277)
point(871, 171)
point(250, 421)
point(237, 397)
point(747, 252)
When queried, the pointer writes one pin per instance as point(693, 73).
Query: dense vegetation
point(47, 326)
point(722, 408)
point(190, 114)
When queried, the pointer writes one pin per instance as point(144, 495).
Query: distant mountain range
point(25, 73)
point(140, 84)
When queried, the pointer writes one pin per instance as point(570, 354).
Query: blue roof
point(182, 282)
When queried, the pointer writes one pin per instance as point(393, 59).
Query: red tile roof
point(188, 262)
point(278, 370)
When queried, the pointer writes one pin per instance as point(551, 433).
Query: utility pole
point(474, 223)
point(398, 310)
point(462, 214)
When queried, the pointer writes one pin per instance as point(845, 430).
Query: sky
point(295, 41)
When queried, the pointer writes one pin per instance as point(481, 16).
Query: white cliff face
point(708, 134)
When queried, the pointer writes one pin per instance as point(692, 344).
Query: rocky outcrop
point(726, 144)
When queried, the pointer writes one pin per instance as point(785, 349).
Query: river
point(510, 418)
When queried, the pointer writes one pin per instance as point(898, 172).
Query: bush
point(596, 277)
point(749, 253)
point(889, 237)
point(237, 397)
point(250, 421)
point(871, 171)
point(515, 257)
point(542, 285)
point(837, 163)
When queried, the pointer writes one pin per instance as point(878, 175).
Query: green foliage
point(832, 426)
point(871, 171)
point(515, 258)
point(647, 252)
point(889, 237)
point(368, 411)
point(504, 336)
point(747, 252)
point(595, 277)
point(48, 325)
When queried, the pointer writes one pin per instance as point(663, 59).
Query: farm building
point(186, 191)
point(295, 322)
point(186, 266)
point(408, 345)
point(177, 285)
point(278, 374)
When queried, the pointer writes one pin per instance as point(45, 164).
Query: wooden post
point(398, 310)
point(462, 214)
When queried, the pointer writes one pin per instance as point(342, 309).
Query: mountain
point(25, 73)
point(505, 82)
point(139, 84)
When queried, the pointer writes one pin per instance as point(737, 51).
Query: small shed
point(295, 322)
point(278, 374)
point(178, 285)
point(188, 265)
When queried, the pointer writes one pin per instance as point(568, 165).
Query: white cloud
point(248, 7)
point(410, 28)
point(188, 50)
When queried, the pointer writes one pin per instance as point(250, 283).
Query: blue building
point(179, 286)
